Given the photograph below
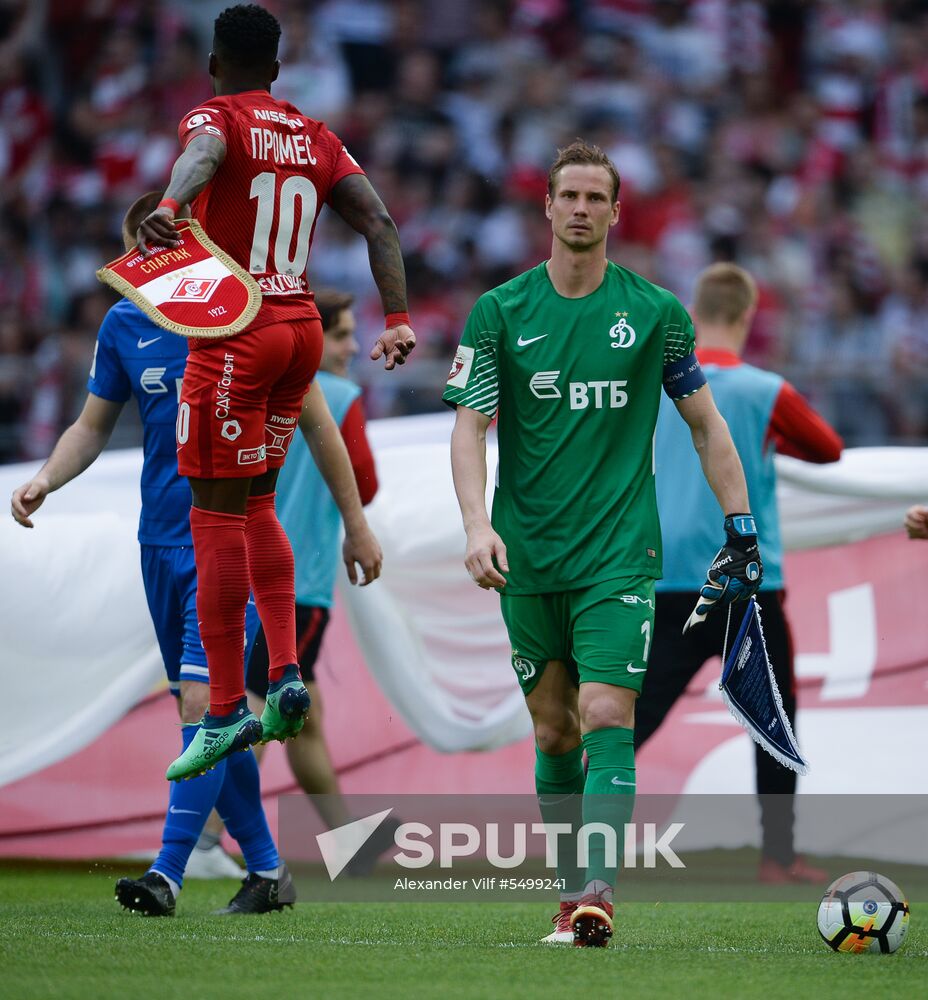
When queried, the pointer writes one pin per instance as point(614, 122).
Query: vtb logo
point(600, 393)
point(543, 385)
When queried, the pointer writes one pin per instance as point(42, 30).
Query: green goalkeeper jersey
point(576, 384)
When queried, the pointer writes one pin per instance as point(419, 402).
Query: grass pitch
point(63, 935)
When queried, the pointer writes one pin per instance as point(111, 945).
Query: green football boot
point(217, 737)
point(286, 706)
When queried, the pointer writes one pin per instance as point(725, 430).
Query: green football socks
point(559, 785)
point(608, 796)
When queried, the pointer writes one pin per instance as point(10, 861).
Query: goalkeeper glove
point(736, 571)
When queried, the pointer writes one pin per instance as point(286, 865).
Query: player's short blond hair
point(587, 155)
point(724, 293)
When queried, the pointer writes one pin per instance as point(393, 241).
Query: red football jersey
point(262, 204)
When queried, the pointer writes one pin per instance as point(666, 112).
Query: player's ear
point(616, 210)
point(548, 205)
point(212, 64)
point(276, 70)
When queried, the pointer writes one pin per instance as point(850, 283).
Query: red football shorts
point(241, 399)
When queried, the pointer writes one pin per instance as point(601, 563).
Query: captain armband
point(682, 378)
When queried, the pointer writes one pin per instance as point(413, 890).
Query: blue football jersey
point(134, 357)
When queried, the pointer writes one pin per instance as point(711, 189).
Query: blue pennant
point(751, 694)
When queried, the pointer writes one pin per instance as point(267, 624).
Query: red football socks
point(270, 562)
point(222, 593)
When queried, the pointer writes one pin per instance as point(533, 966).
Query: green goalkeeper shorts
point(602, 633)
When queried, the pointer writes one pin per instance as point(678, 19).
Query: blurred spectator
point(904, 329)
point(362, 30)
point(15, 382)
point(62, 364)
point(790, 136)
point(847, 346)
point(418, 136)
point(25, 127)
point(679, 48)
point(112, 113)
point(313, 72)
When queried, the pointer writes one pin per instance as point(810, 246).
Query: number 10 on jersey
point(282, 204)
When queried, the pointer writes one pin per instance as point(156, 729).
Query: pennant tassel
point(750, 692)
point(799, 766)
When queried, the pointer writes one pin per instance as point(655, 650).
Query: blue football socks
point(239, 806)
point(189, 805)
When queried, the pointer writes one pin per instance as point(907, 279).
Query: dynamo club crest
point(194, 289)
point(752, 696)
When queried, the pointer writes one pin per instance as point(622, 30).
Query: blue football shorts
point(169, 575)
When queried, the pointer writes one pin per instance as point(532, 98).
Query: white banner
point(78, 648)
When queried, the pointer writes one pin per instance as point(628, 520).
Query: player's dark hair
point(138, 210)
point(724, 293)
point(330, 303)
point(247, 35)
point(584, 154)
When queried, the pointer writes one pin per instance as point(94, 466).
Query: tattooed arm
point(359, 205)
point(193, 170)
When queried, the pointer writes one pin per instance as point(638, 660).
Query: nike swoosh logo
point(145, 343)
point(635, 670)
point(524, 343)
point(173, 810)
point(616, 781)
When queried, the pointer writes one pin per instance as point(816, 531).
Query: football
point(863, 911)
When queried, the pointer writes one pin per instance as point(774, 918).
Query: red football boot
point(563, 933)
point(771, 872)
point(591, 922)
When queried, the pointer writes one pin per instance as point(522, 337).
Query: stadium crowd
point(790, 136)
